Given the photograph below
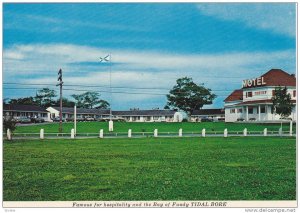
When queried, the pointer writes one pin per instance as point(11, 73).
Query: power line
point(123, 92)
point(95, 86)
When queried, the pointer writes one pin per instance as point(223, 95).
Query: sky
point(151, 45)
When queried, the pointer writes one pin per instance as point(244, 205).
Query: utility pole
point(60, 94)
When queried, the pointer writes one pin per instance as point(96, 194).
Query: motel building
point(68, 113)
point(156, 115)
point(128, 115)
point(29, 111)
point(253, 102)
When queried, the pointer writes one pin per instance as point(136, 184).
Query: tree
point(65, 102)
point(44, 97)
point(90, 100)
point(25, 101)
point(188, 96)
point(282, 103)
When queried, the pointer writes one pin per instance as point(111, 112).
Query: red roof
point(278, 77)
point(274, 77)
point(236, 95)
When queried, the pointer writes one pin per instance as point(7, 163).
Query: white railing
point(130, 134)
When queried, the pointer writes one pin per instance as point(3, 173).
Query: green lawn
point(94, 127)
point(239, 168)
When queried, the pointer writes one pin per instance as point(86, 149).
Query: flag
point(105, 59)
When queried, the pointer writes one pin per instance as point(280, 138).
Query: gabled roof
point(144, 113)
point(23, 108)
point(278, 77)
point(208, 112)
point(236, 95)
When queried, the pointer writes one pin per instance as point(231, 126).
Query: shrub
point(9, 123)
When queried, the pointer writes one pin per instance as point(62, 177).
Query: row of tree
point(47, 97)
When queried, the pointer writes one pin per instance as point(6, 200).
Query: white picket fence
point(203, 133)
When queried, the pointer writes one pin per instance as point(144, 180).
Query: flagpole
point(110, 123)
point(110, 113)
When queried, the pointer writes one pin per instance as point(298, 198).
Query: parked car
point(113, 119)
point(221, 119)
point(69, 119)
point(240, 119)
point(72, 119)
point(89, 118)
point(37, 120)
point(206, 119)
point(57, 119)
point(23, 120)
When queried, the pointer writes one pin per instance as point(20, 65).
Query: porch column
point(236, 116)
point(258, 112)
point(247, 115)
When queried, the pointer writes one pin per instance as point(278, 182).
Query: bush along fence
point(130, 134)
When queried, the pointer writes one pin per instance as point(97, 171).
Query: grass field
point(244, 168)
point(94, 127)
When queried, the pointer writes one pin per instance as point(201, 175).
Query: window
point(294, 93)
point(262, 109)
point(248, 94)
point(240, 110)
point(250, 110)
point(232, 111)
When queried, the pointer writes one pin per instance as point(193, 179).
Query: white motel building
point(253, 102)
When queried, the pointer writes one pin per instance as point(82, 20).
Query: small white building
point(254, 101)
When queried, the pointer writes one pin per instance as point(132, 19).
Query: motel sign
point(254, 82)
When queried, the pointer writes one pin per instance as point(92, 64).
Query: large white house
point(253, 102)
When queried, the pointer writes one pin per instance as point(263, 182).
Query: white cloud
point(39, 63)
point(278, 17)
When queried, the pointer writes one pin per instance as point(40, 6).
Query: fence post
point(42, 134)
point(129, 133)
point(8, 134)
point(291, 128)
point(180, 132)
point(245, 132)
point(265, 131)
point(203, 132)
point(111, 126)
point(280, 131)
point(225, 133)
point(155, 133)
point(72, 133)
point(101, 133)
